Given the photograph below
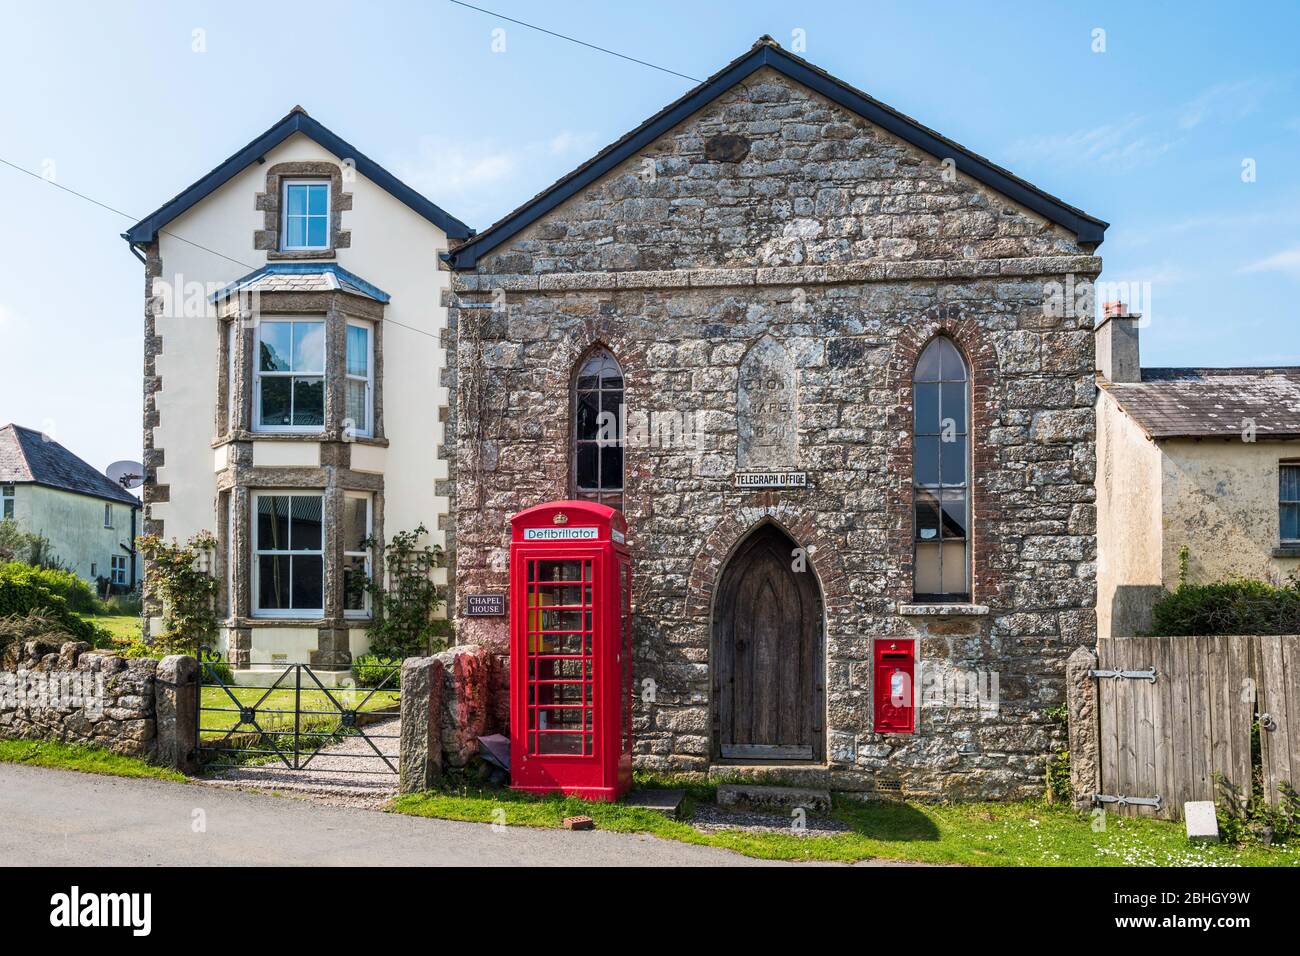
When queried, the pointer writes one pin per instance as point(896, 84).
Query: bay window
point(358, 368)
point(288, 554)
point(357, 530)
point(289, 387)
point(6, 502)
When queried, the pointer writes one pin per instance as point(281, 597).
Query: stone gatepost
point(421, 738)
point(1085, 730)
point(176, 688)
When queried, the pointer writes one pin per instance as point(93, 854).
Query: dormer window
point(306, 216)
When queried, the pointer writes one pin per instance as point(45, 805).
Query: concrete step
point(667, 802)
point(773, 774)
point(750, 796)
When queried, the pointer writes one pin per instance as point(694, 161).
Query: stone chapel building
point(848, 398)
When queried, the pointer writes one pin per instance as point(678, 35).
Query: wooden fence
point(1168, 737)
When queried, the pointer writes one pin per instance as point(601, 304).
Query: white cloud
point(468, 177)
point(1224, 101)
point(1287, 261)
point(1123, 144)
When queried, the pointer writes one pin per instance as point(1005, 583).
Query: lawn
point(121, 627)
point(275, 713)
point(983, 834)
point(82, 758)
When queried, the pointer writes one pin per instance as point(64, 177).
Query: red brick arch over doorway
point(735, 528)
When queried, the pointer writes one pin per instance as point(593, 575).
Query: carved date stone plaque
point(767, 409)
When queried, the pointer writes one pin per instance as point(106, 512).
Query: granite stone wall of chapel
point(807, 227)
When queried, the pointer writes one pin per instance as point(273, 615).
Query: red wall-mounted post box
point(894, 688)
point(570, 651)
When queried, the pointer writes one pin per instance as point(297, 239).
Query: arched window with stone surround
point(941, 475)
point(598, 429)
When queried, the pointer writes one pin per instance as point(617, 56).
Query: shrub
point(1236, 606)
point(26, 547)
point(21, 597)
point(65, 584)
point(403, 622)
point(370, 671)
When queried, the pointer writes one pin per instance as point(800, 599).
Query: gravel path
point(347, 772)
point(710, 819)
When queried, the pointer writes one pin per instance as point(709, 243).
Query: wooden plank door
point(767, 654)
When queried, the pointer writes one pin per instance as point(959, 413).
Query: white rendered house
point(294, 402)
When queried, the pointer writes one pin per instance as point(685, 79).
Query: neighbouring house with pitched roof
point(294, 393)
point(89, 520)
point(1206, 459)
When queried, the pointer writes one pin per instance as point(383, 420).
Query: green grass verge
point(980, 834)
point(79, 757)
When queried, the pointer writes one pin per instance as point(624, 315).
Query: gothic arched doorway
point(767, 653)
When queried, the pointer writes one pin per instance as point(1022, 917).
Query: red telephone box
point(570, 651)
point(895, 695)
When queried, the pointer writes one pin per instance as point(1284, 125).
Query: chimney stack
point(1117, 344)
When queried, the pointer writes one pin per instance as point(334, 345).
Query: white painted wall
point(1129, 526)
point(393, 248)
point(74, 525)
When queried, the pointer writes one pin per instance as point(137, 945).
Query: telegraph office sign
point(772, 479)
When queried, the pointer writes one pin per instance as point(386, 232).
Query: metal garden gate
point(296, 718)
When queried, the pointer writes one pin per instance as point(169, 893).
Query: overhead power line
point(589, 46)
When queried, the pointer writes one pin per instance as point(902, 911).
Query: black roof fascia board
point(146, 230)
point(1086, 228)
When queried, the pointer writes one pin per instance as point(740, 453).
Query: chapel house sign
point(767, 410)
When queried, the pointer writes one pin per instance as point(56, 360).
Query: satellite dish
point(128, 474)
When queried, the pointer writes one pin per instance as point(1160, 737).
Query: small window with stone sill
point(1289, 504)
point(306, 219)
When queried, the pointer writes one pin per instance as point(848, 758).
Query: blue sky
point(115, 102)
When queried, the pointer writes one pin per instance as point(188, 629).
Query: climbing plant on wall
point(181, 577)
point(405, 598)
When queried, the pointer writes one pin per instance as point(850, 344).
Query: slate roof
point(1212, 402)
point(301, 277)
point(296, 121)
point(27, 457)
point(767, 52)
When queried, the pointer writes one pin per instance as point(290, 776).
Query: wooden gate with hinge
point(1174, 711)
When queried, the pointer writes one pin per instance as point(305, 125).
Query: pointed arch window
point(941, 475)
point(598, 430)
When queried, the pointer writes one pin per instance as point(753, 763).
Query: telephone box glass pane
point(560, 571)
point(560, 657)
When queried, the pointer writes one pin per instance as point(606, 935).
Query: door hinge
point(1148, 675)
point(1125, 801)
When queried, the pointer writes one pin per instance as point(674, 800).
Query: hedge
point(65, 584)
point(22, 597)
point(1237, 606)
